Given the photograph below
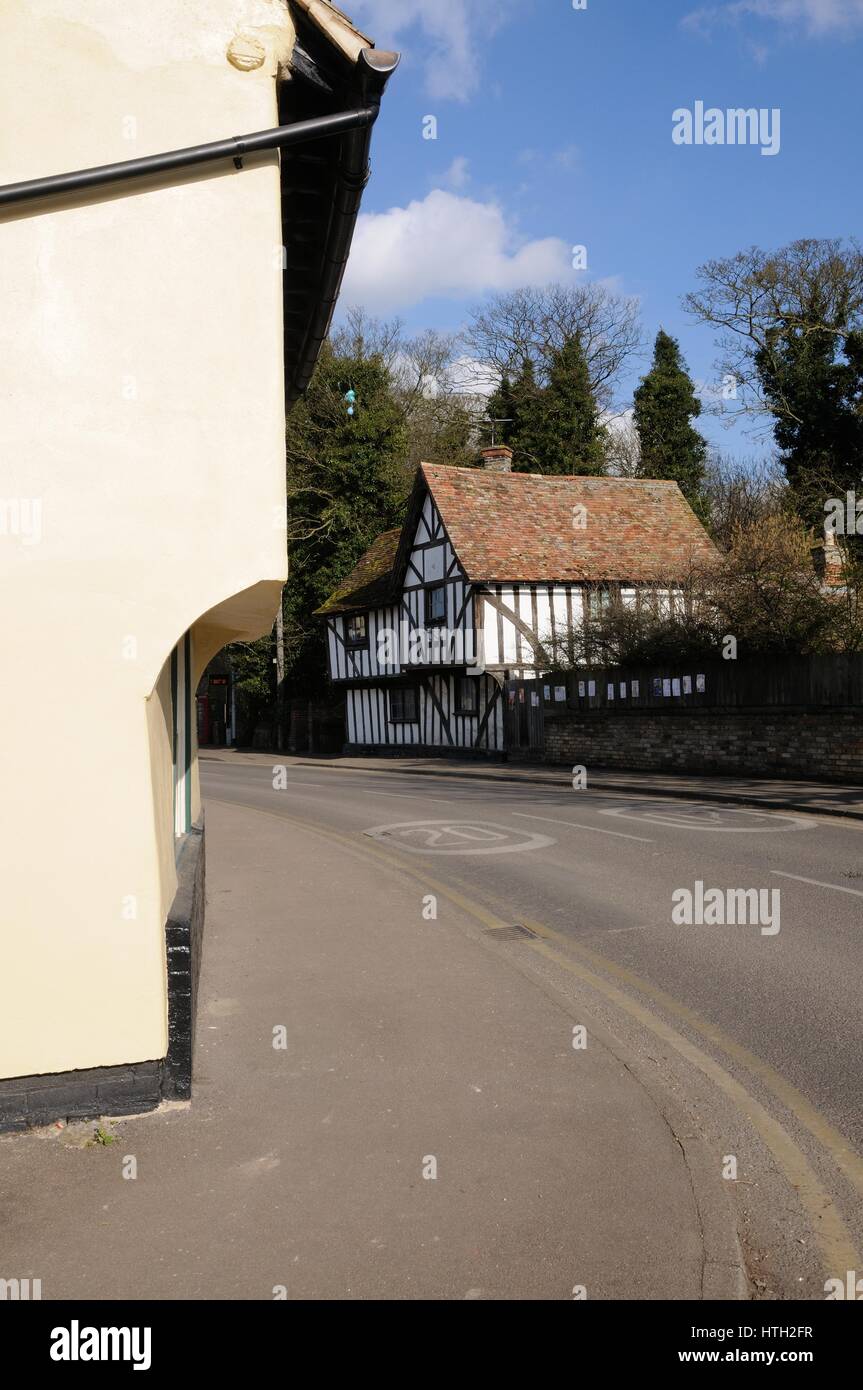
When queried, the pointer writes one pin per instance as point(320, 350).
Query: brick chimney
point(829, 561)
point(497, 459)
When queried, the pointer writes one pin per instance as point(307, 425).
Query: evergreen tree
point(502, 411)
point(559, 426)
point(814, 382)
point(665, 406)
point(347, 482)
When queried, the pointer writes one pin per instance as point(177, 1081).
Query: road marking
point(402, 796)
point(833, 1237)
point(837, 887)
point(835, 1241)
point(674, 819)
point(618, 834)
point(406, 796)
point(454, 837)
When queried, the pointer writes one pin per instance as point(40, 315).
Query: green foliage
point(503, 409)
point(252, 665)
point(790, 326)
point(557, 427)
point(665, 406)
point(347, 482)
point(814, 379)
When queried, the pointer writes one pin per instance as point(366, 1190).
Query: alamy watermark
point(735, 126)
point(21, 517)
point(844, 515)
point(20, 1290)
point(431, 646)
point(727, 907)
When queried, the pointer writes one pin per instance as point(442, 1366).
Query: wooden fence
point(816, 682)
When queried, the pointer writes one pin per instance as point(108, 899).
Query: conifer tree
point(560, 426)
point(665, 406)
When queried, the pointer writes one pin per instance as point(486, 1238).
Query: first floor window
point(436, 604)
point(358, 630)
point(404, 705)
point(467, 695)
point(599, 600)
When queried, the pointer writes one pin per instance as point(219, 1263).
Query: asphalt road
point(756, 1025)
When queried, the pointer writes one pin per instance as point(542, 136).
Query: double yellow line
point(834, 1239)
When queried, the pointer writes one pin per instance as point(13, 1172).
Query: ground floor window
point(404, 705)
point(183, 733)
point(467, 695)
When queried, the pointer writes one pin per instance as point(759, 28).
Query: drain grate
point(513, 933)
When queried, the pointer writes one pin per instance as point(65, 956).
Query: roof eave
point(339, 68)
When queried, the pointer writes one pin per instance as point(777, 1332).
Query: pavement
point(428, 1131)
point(429, 944)
point(831, 799)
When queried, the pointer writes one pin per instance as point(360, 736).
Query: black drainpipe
point(235, 147)
point(373, 71)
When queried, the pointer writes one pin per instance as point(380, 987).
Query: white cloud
point(457, 176)
point(815, 17)
point(445, 246)
point(447, 35)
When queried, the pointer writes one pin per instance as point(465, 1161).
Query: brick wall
point(823, 745)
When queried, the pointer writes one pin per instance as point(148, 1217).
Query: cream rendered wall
point(142, 426)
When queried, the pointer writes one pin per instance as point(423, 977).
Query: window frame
point(435, 589)
point(403, 691)
point(355, 644)
point(463, 683)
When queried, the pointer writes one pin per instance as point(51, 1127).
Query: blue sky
point(554, 129)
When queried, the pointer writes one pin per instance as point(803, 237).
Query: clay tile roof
point(510, 527)
point(518, 528)
point(369, 582)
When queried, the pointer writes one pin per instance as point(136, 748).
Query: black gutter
point(374, 69)
point(235, 147)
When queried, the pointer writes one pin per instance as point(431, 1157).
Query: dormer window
point(436, 605)
point(357, 630)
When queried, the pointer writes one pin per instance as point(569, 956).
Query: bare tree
point(758, 299)
point(741, 492)
point(361, 335)
point(535, 323)
point(623, 448)
point(441, 413)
